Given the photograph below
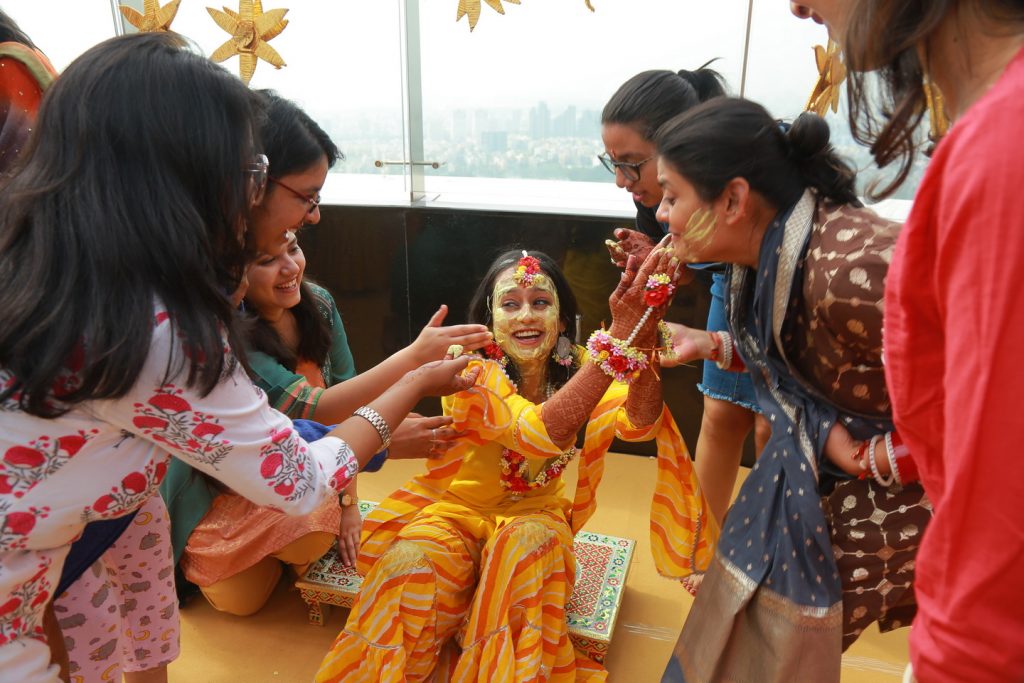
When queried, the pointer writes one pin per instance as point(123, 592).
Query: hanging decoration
point(471, 9)
point(251, 28)
point(831, 74)
point(153, 18)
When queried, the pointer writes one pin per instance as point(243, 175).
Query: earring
point(831, 74)
point(564, 353)
point(938, 120)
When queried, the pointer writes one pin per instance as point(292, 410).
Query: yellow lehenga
point(466, 582)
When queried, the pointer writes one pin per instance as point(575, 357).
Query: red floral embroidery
point(16, 526)
point(20, 614)
point(169, 418)
point(283, 472)
point(131, 492)
point(25, 465)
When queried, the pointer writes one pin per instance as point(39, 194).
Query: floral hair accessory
point(527, 270)
point(658, 290)
point(495, 352)
point(615, 357)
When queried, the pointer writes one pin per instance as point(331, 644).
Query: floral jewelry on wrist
point(658, 290)
point(615, 357)
point(665, 349)
point(526, 270)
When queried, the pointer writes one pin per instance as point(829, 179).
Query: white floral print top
point(104, 458)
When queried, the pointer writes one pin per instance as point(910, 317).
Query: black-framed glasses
point(313, 200)
point(258, 172)
point(630, 171)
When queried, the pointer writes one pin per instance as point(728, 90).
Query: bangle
point(874, 465)
point(716, 346)
point(615, 357)
point(903, 466)
point(378, 422)
point(725, 361)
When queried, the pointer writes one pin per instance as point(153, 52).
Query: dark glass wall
point(390, 269)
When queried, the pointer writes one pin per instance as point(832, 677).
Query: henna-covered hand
point(627, 301)
point(628, 243)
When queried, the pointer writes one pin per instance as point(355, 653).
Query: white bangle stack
point(725, 353)
point(890, 452)
point(874, 466)
point(378, 422)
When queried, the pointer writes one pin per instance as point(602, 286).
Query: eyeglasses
point(258, 170)
point(312, 199)
point(630, 171)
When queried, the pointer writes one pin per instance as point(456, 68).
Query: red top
point(954, 338)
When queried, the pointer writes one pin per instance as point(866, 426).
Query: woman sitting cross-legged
point(469, 567)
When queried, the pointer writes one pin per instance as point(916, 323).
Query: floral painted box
point(602, 565)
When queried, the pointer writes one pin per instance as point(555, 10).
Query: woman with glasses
point(298, 353)
point(119, 236)
point(628, 123)
point(954, 322)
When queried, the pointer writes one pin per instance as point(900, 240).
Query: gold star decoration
point(471, 8)
point(153, 18)
point(831, 74)
point(250, 28)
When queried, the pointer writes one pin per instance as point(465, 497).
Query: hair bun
point(808, 136)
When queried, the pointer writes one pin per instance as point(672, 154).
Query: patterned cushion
point(602, 564)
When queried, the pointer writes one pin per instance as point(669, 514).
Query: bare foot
point(692, 582)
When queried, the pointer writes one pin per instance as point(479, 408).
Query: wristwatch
point(346, 500)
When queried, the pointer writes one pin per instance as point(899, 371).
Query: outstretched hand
point(423, 437)
point(434, 340)
point(688, 344)
point(443, 377)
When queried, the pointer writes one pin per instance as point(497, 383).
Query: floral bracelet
point(615, 357)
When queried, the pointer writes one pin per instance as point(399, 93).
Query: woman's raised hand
point(434, 340)
point(627, 302)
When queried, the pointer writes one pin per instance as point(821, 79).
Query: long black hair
point(134, 191)
point(730, 137)
point(480, 308)
point(293, 142)
point(650, 98)
point(10, 32)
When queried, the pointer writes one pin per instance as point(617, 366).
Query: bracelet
point(903, 466)
point(378, 422)
point(891, 455)
point(616, 358)
point(716, 346)
point(725, 362)
point(874, 465)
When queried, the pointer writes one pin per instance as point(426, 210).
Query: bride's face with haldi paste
point(526, 320)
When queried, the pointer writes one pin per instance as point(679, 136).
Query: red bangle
point(717, 346)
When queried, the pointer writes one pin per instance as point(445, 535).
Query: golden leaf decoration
point(471, 8)
point(250, 28)
point(938, 119)
point(831, 74)
point(153, 17)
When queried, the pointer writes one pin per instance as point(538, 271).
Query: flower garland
point(515, 471)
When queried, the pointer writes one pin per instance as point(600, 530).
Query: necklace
point(515, 471)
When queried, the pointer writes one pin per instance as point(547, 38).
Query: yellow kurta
point(466, 578)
